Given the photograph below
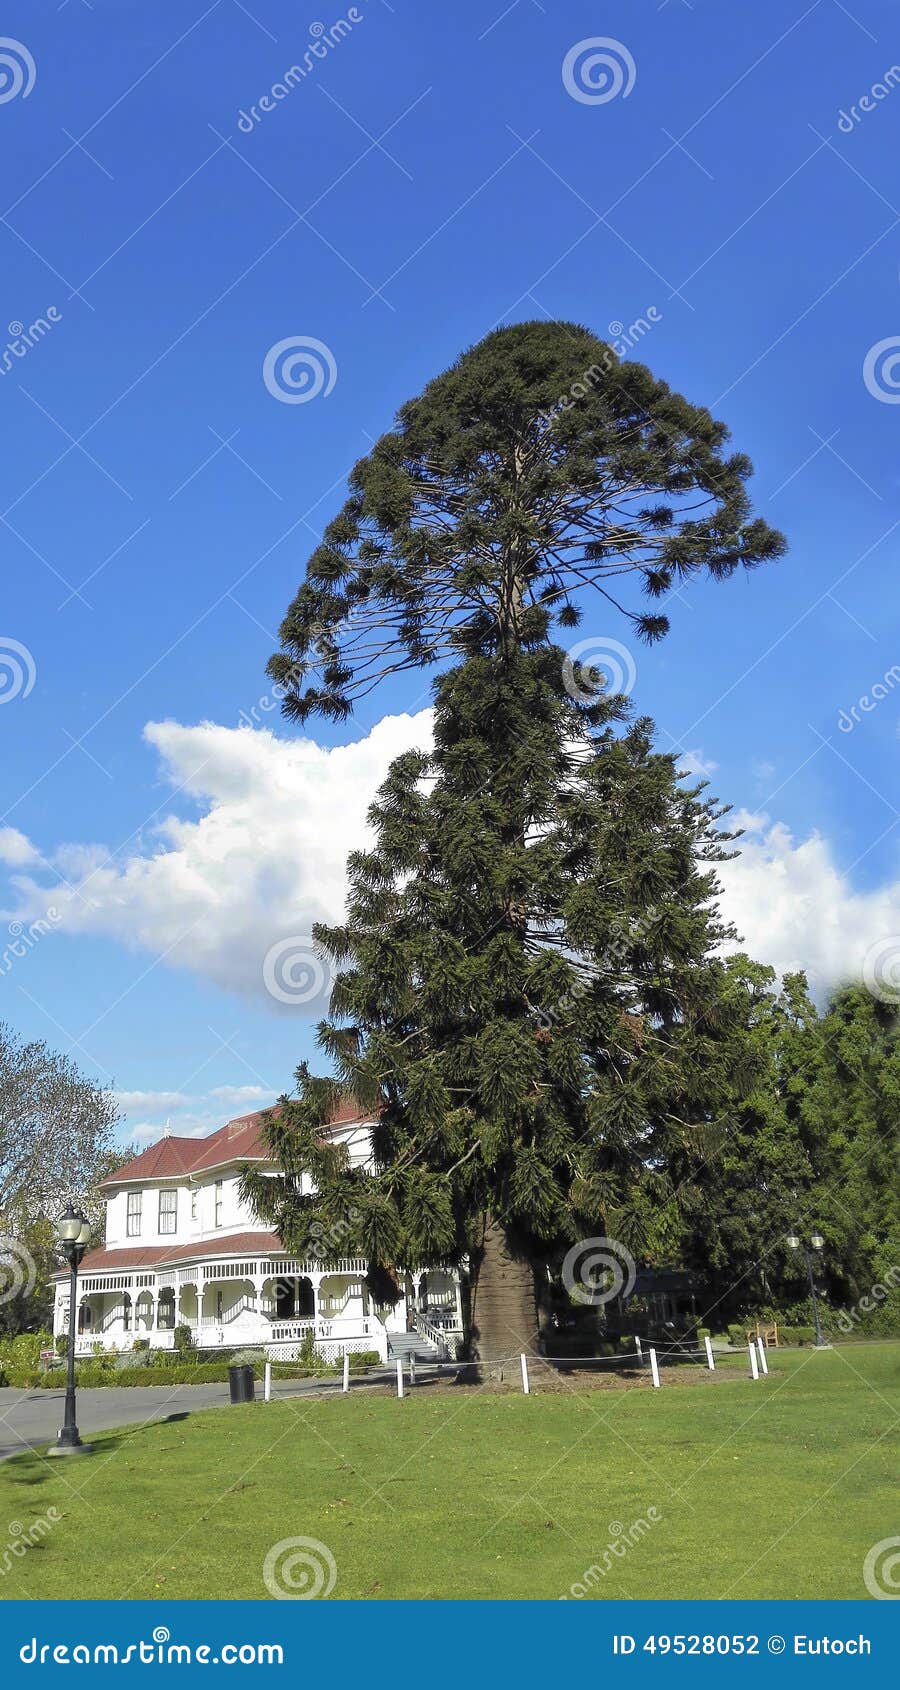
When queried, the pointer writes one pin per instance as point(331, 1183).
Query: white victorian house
point(181, 1248)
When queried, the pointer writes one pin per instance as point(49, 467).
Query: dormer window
point(133, 1222)
point(168, 1210)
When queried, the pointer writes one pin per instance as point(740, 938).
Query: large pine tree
point(527, 993)
point(527, 998)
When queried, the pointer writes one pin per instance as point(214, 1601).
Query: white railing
point(244, 1305)
point(286, 1331)
point(443, 1337)
point(287, 1267)
point(286, 1346)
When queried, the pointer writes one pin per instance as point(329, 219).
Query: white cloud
point(265, 858)
point(795, 907)
point(242, 1097)
point(147, 1114)
point(151, 1102)
point(694, 762)
point(16, 849)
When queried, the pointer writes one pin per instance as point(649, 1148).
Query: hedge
point(90, 1376)
point(787, 1335)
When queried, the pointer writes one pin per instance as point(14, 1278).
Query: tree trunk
point(503, 1318)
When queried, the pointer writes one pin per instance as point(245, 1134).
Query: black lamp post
point(73, 1233)
point(818, 1244)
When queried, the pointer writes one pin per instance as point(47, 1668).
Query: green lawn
point(769, 1490)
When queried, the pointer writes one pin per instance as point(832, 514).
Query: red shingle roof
point(160, 1255)
point(240, 1140)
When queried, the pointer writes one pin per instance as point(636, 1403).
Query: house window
point(193, 1203)
point(133, 1224)
point(168, 1208)
point(165, 1313)
point(218, 1189)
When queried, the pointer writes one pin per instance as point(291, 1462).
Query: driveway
point(31, 1419)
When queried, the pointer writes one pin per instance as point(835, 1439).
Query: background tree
point(857, 1103)
point(56, 1128)
point(765, 1181)
point(813, 1146)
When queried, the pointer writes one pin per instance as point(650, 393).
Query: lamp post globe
point(795, 1242)
point(69, 1225)
point(73, 1233)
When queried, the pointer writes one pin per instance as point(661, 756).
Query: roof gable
point(240, 1140)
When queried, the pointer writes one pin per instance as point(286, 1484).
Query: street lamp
point(818, 1244)
point(73, 1232)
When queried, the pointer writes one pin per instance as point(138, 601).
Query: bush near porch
point(143, 1371)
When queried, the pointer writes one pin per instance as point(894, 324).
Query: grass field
point(776, 1489)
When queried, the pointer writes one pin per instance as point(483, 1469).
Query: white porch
point(232, 1304)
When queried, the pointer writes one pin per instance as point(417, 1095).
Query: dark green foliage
point(813, 1147)
point(538, 466)
point(527, 991)
point(528, 994)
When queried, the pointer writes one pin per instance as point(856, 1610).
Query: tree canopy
point(538, 468)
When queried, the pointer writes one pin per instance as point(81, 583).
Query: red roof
point(159, 1255)
point(240, 1140)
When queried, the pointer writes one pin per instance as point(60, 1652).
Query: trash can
point(241, 1383)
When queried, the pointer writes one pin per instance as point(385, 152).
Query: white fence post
point(754, 1364)
point(763, 1363)
point(654, 1369)
point(399, 1376)
point(412, 1370)
point(710, 1358)
point(637, 1345)
point(345, 1382)
point(267, 1382)
point(525, 1385)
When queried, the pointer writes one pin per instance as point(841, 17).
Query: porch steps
point(402, 1345)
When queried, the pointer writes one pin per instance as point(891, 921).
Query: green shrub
point(184, 1338)
point(126, 1360)
point(796, 1334)
point(24, 1349)
point(876, 1315)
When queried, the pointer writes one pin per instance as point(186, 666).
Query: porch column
point(417, 1287)
point(315, 1280)
point(457, 1292)
point(257, 1280)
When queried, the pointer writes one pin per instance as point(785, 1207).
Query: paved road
point(32, 1418)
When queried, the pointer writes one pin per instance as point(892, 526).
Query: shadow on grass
point(28, 1468)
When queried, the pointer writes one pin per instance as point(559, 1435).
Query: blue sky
point(431, 176)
